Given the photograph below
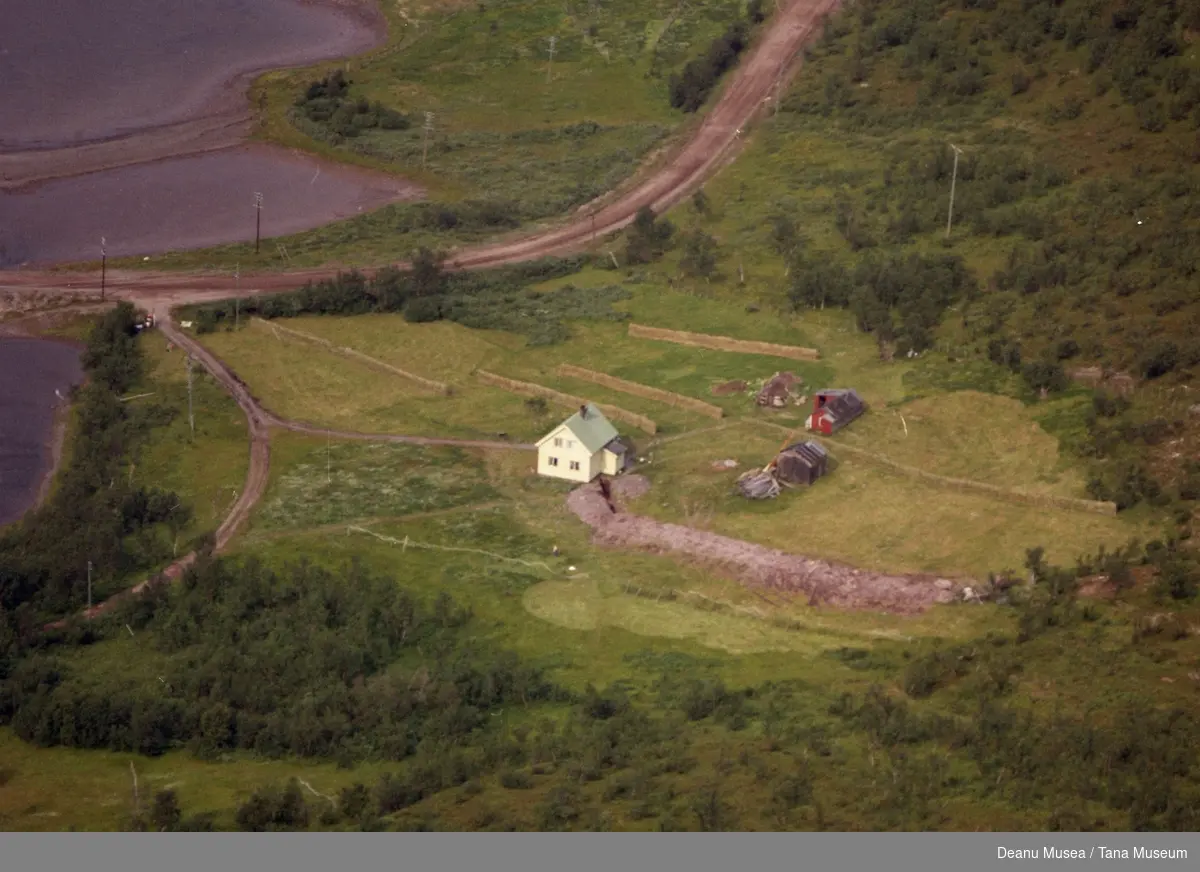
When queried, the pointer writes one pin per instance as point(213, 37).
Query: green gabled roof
point(594, 431)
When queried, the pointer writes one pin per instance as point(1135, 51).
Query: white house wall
point(570, 452)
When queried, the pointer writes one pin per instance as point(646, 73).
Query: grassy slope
point(207, 471)
point(592, 629)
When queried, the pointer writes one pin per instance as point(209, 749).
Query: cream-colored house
point(582, 447)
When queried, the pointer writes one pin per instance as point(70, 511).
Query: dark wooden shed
point(802, 463)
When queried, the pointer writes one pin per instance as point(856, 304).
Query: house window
point(558, 442)
point(553, 461)
point(575, 465)
point(570, 443)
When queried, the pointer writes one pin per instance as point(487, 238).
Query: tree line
point(94, 515)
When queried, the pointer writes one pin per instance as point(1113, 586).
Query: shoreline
point(224, 119)
point(54, 444)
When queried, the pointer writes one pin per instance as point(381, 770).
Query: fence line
point(616, 413)
point(641, 390)
point(723, 343)
point(411, 543)
point(1015, 495)
point(428, 383)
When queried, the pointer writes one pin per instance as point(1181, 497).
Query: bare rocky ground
point(824, 583)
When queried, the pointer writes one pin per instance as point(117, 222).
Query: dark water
point(75, 71)
point(184, 203)
point(30, 371)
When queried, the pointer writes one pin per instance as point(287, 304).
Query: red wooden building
point(834, 408)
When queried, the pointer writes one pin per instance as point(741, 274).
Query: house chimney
point(583, 411)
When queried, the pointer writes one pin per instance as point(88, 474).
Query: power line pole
point(425, 143)
point(237, 299)
point(953, 179)
point(89, 585)
point(257, 220)
point(550, 66)
point(191, 416)
point(103, 267)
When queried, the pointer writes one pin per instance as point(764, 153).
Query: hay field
point(296, 380)
point(866, 516)
point(968, 434)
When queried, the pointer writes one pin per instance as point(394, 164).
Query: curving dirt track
point(259, 422)
point(714, 143)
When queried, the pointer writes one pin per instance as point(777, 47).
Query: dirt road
point(716, 140)
point(259, 423)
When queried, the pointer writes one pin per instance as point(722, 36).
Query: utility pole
point(328, 460)
point(593, 225)
point(953, 179)
point(550, 66)
point(257, 220)
point(103, 267)
point(237, 299)
point(425, 144)
point(191, 416)
point(89, 585)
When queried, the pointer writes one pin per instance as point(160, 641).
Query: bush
point(1160, 360)
point(647, 237)
point(689, 89)
point(272, 809)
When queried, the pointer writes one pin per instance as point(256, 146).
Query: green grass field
point(866, 517)
point(206, 470)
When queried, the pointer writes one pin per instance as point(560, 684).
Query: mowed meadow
point(865, 513)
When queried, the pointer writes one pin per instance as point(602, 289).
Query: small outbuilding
point(802, 463)
point(582, 447)
point(834, 408)
point(777, 390)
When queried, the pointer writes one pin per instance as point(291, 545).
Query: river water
point(31, 370)
point(146, 100)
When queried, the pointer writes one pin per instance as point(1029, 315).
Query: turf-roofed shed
point(802, 463)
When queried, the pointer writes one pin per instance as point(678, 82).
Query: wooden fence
point(529, 389)
point(678, 401)
point(723, 343)
point(427, 383)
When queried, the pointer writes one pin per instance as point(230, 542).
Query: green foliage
point(647, 237)
point(898, 298)
point(94, 514)
point(281, 663)
point(690, 88)
point(327, 104)
point(699, 254)
point(273, 809)
point(497, 299)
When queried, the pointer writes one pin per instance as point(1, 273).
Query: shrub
point(690, 88)
point(1160, 360)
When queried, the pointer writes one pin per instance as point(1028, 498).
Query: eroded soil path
point(823, 582)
